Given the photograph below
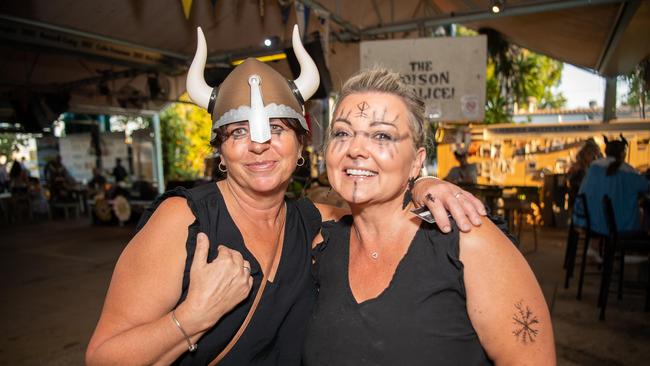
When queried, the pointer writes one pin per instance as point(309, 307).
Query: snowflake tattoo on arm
point(526, 324)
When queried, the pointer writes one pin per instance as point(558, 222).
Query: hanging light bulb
point(497, 5)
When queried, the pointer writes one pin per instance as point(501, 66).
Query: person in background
point(465, 173)
point(4, 175)
point(589, 152)
point(96, 184)
point(613, 177)
point(119, 172)
point(59, 181)
point(17, 178)
point(39, 203)
point(23, 165)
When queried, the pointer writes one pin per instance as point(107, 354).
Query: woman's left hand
point(442, 197)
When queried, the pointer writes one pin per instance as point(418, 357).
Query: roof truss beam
point(625, 15)
point(43, 35)
point(473, 16)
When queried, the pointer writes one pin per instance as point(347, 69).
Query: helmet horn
point(197, 88)
point(307, 83)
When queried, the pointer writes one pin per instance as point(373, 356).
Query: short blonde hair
point(381, 80)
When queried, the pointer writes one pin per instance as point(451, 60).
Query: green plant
point(185, 139)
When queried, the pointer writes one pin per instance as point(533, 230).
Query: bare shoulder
point(487, 239)
point(147, 279)
point(149, 271)
point(504, 300)
point(167, 225)
point(329, 212)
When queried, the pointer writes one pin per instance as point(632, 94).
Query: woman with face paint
point(222, 272)
point(393, 289)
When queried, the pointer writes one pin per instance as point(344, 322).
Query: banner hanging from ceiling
point(187, 8)
point(448, 73)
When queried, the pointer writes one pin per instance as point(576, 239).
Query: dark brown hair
point(616, 150)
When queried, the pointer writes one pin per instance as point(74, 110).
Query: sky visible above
point(580, 86)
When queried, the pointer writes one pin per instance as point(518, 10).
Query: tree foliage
point(638, 82)
point(516, 76)
point(185, 139)
point(10, 143)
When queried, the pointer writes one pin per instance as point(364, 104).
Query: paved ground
point(53, 278)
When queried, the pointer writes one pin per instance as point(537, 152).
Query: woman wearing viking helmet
point(222, 272)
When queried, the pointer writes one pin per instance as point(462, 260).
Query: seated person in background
point(465, 173)
point(37, 197)
point(589, 152)
point(119, 172)
point(96, 185)
point(59, 180)
point(612, 176)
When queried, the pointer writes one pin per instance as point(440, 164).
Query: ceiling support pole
point(158, 158)
point(609, 109)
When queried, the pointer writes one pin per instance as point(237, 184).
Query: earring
point(408, 195)
point(224, 169)
point(301, 163)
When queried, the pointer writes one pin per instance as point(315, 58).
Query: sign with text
point(447, 73)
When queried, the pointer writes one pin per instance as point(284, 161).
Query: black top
point(419, 319)
point(276, 332)
point(120, 173)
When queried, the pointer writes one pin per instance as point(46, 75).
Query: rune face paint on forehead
point(362, 107)
point(375, 119)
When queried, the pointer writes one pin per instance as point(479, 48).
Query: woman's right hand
point(216, 287)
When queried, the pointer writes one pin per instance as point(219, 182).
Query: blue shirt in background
point(623, 188)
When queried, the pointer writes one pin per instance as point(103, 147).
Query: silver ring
point(247, 268)
point(458, 194)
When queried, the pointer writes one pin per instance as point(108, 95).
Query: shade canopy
point(133, 55)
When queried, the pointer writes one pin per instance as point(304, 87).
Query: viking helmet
point(253, 91)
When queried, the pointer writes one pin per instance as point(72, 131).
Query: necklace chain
point(373, 254)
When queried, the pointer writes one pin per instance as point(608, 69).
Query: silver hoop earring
point(299, 163)
point(224, 169)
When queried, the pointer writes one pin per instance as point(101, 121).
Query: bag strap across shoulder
point(273, 267)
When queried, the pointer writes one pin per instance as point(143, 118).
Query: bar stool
point(589, 234)
point(573, 238)
point(621, 242)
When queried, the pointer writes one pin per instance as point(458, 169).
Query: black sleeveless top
point(276, 332)
point(419, 319)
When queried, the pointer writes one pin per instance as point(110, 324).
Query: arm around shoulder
point(504, 301)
